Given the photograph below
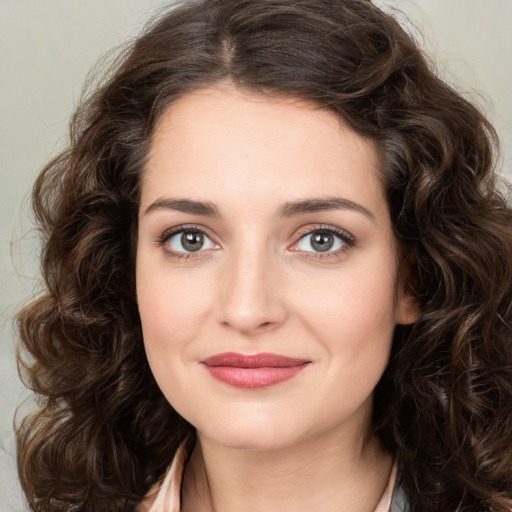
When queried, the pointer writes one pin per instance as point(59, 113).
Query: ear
point(408, 309)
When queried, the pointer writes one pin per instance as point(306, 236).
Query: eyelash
point(168, 234)
point(346, 238)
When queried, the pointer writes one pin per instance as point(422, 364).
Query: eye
point(188, 241)
point(323, 240)
point(319, 241)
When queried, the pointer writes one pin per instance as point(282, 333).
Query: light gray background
point(47, 48)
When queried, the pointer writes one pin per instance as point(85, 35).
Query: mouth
point(253, 371)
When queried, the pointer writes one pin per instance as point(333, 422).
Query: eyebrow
point(184, 205)
point(288, 209)
point(294, 208)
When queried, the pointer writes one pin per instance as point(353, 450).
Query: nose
point(251, 298)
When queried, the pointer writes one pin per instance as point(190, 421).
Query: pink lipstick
point(254, 371)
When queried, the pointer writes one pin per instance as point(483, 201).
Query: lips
point(253, 371)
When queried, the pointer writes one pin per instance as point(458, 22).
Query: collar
point(168, 497)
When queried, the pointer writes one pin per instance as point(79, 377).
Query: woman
point(278, 275)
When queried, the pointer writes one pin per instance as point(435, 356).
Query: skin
point(259, 285)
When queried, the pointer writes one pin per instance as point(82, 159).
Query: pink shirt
point(168, 497)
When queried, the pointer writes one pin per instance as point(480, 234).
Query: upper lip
point(263, 359)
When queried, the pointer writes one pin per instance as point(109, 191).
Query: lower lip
point(254, 378)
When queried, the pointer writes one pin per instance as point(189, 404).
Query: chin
point(252, 435)
point(254, 442)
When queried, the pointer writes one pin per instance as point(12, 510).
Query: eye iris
point(192, 240)
point(322, 242)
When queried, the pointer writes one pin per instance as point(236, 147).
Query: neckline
point(168, 496)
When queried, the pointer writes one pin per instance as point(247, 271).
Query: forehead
point(225, 140)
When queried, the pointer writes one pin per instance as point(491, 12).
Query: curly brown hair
point(104, 432)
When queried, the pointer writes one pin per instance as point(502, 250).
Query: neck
point(327, 473)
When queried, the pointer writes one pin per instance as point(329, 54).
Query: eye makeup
point(317, 242)
point(342, 241)
point(191, 235)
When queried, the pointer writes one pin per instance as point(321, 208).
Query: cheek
point(355, 299)
point(355, 325)
point(172, 310)
point(171, 307)
point(352, 316)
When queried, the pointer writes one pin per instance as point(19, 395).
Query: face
point(266, 269)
